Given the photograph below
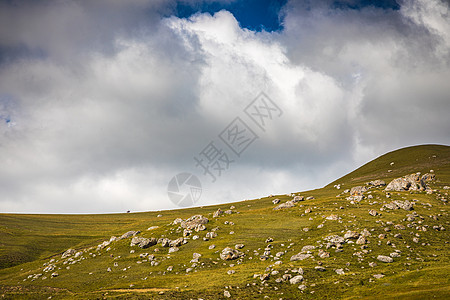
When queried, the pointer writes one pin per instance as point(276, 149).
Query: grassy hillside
point(30, 243)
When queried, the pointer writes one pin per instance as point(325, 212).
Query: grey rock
point(320, 268)
point(358, 190)
point(385, 259)
point(300, 256)
point(296, 279)
point(287, 204)
point(128, 234)
point(173, 249)
point(67, 253)
point(351, 235)
point(194, 223)
point(143, 242)
point(334, 239)
point(230, 253)
point(176, 243)
point(377, 183)
point(373, 212)
point(361, 240)
point(239, 246)
point(217, 213)
point(308, 248)
point(340, 271)
point(323, 254)
point(298, 199)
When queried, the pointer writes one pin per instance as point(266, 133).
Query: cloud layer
point(101, 104)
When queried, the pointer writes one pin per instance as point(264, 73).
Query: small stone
point(339, 271)
point(373, 212)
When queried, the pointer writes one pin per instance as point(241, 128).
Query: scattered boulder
point(230, 254)
point(165, 242)
point(287, 204)
point(411, 182)
point(173, 249)
point(211, 235)
point(176, 243)
point(376, 183)
point(308, 248)
point(351, 235)
point(361, 240)
point(323, 253)
point(296, 279)
point(358, 190)
point(397, 204)
point(300, 256)
point(298, 199)
point(333, 217)
point(340, 271)
point(373, 212)
point(129, 234)
point(217, 213)
point(67, 253)
point(355, 198)
point(195, 223)
point(334, 239)
point(385, 259)
point(276, 201)
point(239, 246)
point(143, 242)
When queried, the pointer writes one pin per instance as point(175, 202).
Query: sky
point(110, 106)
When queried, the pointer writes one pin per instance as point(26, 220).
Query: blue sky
point(251, 14)
point(268, 15)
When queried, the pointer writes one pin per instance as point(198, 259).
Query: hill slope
point(326, 246)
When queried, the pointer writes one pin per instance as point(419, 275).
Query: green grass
point(29, 241)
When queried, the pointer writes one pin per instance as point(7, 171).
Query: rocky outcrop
point(411, 182)
point(194, 223)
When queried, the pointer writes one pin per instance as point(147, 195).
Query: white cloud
point(116, 107)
